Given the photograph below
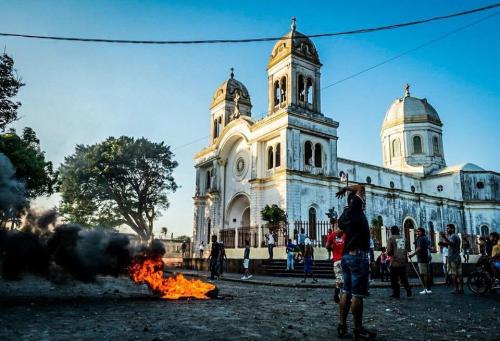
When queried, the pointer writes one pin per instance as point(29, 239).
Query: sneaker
point(423, 292)
point(244, 277)
point(249, 276)
point(429, 291)
point(363, 334)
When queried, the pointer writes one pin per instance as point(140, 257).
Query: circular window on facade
point(480, 185)
point(240, 166)
point(368, 180)
point(412, 188)
point(391, 184)
point(440, 188)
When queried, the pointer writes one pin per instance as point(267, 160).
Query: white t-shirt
point(444, 252)
point(270, 239)
point(202, 247)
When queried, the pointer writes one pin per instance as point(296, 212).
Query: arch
point(318, 155)
point(236, 213)
point(276, 92)
point(485, 230)
point(245, 218)
point(309, 91)
point(283, 90)
point(308, 153)
point(301, 89)
point(409, 227)
point(209, 230)
point(435, 146)
point(396, 148)
point(417, 144)
point(277, 162)
point(208, 176)
point(270, 157)
point(312, 223)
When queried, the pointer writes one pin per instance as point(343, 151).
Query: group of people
point(217, 258)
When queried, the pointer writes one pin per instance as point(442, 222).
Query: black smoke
point(12, 192)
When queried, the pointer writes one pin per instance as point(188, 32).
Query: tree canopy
point(10, 84)
point(273, 214)
point(118, 181)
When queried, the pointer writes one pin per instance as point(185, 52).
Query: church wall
point(450, 183)
point(266, 193)
point(473, 181)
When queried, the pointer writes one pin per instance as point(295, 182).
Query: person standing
point(422, 252)
point(201, 249)
point(354, 262)
point(454, 259)
point(270, 245)
point(246, 261)
point(329, 237)
point(444, 254)
point(302, 240)
point(384, 271)
point(290, 248)
point(183, 248)
point(308, 261)
point(337, 242)
point(396, 249)
point(466, 249)
point(222, 258)
point(214, 258)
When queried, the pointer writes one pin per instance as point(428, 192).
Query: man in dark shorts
point(354, 262)
point(422, 252)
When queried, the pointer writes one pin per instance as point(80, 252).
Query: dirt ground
point(114, 308)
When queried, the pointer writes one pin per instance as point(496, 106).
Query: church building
point(289, 158)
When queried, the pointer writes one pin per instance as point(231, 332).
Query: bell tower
point(294, 73)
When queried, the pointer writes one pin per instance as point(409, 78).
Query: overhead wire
point(425, 44)
point(250, 40)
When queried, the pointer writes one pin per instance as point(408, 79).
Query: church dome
point(228, 90)
point(294, 43)
point(408, 109)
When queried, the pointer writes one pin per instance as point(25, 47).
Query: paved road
point(34, 309)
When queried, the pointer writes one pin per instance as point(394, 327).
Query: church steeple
point(294, 73)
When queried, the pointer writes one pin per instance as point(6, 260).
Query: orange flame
point(150, 271)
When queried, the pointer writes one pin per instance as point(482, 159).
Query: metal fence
point(317, 231)
point(227, 236)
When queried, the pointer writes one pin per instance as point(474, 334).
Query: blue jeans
point(270, 249)
point(355, 269)
point(289, 261)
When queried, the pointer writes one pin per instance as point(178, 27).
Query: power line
point(427, 43)
point(250, 40)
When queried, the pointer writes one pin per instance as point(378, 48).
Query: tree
point(274, 215)
point(118, 181)
point(10, 84)
point(29, 162)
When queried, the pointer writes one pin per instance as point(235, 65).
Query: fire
point(150, 271)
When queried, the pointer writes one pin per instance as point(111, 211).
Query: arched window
point(485, 230)
point(207, 180)
point(308, 153)
point(216, 132)
point(312, 223)
point(318, 155)
point(277, 163)
point(283, 89)
point(219, 125)
point(301, 89)
point(276, 93)
point(417, 145)
point(309, 91)
point(396, 148)
point(435, 146)
point(209, 228)
point(432, 234)
point(270, 157)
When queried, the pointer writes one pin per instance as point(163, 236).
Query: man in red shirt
point(335, 242)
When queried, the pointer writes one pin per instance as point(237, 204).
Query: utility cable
point(250, 40)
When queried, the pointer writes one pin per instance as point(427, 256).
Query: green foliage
point(273, 214)
point(10, 84)
point(375, 222)
point(118, 181)
point(29, 161)
point(182, 238)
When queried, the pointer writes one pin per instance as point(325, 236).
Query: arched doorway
point(238, 212)
point(485, 230)
point(409, 229)
point(432, 234)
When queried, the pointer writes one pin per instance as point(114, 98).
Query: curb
point(288, 285)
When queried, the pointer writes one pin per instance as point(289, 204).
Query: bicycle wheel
point(479, 282)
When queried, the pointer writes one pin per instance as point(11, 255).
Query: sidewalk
point(292, 282)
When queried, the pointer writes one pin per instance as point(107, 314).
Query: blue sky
point(81, 93)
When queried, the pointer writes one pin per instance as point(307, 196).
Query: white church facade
point(289, 158)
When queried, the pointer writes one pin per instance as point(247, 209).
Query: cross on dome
point(232, 72)
point(407, 90)
point(294, 24)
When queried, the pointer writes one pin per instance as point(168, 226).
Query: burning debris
point(148, 268)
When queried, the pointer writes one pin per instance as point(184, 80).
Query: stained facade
point(289, 158)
